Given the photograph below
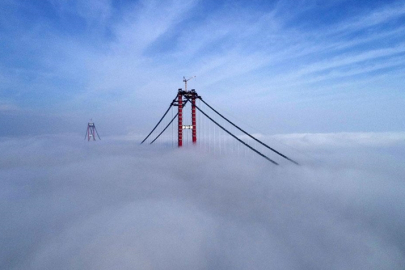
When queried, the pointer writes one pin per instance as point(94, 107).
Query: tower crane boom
point(185, 82)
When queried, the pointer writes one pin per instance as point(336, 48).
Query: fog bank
point(112, 204)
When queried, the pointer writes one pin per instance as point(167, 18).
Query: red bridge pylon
point(189, 95)
point(91, 132)
point(192, 96)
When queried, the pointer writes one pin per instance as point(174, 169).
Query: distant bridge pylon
point(91, 132)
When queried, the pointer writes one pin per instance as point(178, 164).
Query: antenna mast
point(185, 82)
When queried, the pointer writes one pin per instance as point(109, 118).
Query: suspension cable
point(97, 133)
point(167, 125)
point(164, 129)
point(251, 148)
point(172, 131)
point(171, 104)
point(265, 145)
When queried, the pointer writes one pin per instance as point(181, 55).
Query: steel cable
point(262, 143)
point(171, 104)
point(224, 129)
point(167, 125)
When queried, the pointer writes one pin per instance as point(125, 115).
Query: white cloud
point(8, 107)
point(70, 204)
point(91, 10)
point(146, 22)
point(376, 17)
point(345, 139)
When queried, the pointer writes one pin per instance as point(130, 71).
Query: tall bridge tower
point(189, 96)
point(185, 96)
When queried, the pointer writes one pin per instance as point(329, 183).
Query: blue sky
point(280, 66)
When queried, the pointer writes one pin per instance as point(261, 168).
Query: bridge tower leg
point(194, 120)
point(180, 118)
point(90, 133)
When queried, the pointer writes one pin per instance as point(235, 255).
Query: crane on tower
point(185, 82)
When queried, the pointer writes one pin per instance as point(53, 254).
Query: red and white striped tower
point(180, 117)
point(193, 116)
point(190, 96)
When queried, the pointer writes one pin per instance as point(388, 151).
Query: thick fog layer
point(112, 204)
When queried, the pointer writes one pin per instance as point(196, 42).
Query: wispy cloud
point(122, 52)
point(93, 11)
point(375, 17)
point(7, 107)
